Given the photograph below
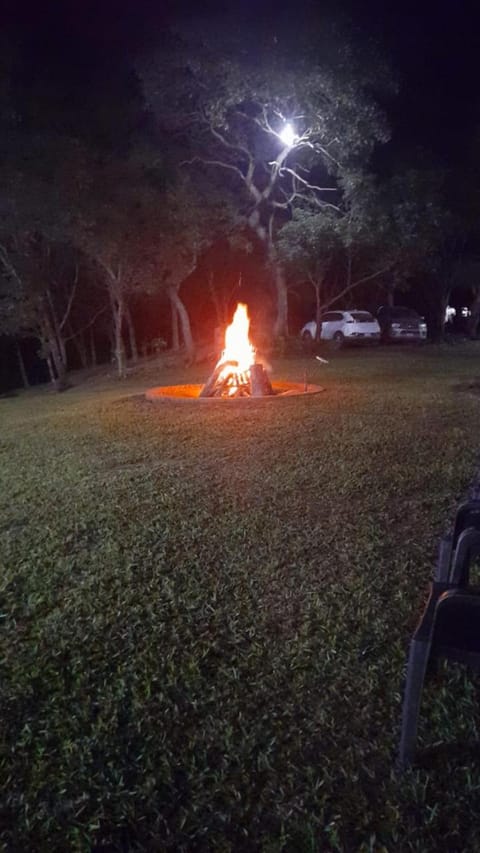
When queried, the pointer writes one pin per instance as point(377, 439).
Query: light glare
point(288, 135)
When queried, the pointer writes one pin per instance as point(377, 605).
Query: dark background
point(73, 57)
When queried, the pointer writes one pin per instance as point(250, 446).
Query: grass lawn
point(205, 612)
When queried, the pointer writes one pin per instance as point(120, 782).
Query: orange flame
point(237, 344)
point(238, 348)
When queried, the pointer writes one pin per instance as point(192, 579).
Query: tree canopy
point(232, 105)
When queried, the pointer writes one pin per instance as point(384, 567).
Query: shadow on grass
point(442, 755)
point(473, 386)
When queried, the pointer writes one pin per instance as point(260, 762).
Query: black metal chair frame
point(450, 625)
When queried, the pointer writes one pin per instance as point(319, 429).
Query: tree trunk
point(115, 293)
point(437, 318)
point(390, 297)
point(184, 321)
point(175, 329)
point(280, 328)
point(57, 330)
point(21, 364)
point(281, 321)
point(318, 309)
point(81, 347)
point(82, 350)
point(93, 351)
point(50, 369)
point(218, 304)
point(474, 318)
point(60, 367)
point(118, 345)
point(55, 353)
point(131, 335)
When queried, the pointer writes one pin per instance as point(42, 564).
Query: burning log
point(223, 382)
point(260, 385)
point(210, 389)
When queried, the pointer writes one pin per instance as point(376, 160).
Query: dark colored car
point(401, 324)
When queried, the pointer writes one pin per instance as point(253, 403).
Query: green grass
point(205, 613)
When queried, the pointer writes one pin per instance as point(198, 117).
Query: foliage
point(205, 650)
point(399, 230)
point(434, 237)
point(141, 234)
point(36, 259)
point(38, 285)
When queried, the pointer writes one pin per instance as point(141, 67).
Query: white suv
point(344, 327)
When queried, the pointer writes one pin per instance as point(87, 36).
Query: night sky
point(433, 48)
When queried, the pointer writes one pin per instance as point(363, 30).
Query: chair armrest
point(467, 549)
point(468, 515)
point(423, 631)
point(445, 551)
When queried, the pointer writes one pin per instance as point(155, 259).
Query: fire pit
point(237, 375)
point(191, 393)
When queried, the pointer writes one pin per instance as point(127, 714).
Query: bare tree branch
point(214, 163)
point(8, 265)
point(71, 298)
point(306, 183)
point(90, 323)
point(354, 284)
point(295, 193)
point(240, 149)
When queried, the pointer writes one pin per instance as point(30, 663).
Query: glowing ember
point(239, 354)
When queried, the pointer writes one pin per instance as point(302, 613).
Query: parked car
point(342, 327)
point(401, 324)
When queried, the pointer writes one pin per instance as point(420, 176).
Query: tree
point(38, 284)
point(144, 234)
point(433, 238)
point(474, 319)
point(39, 269)
point(284, 129)
point(190, 221)
point(337, 252)
point(466, 275)
point(50, 162)
point(111, 224)
point(308, 246)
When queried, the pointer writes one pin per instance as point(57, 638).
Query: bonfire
point(238, 373)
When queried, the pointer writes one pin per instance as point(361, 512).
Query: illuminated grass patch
point(205, 613)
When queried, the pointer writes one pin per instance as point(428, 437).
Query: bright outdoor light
point(288, 135)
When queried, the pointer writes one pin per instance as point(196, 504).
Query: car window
point(362, 316)
point(333, 315)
